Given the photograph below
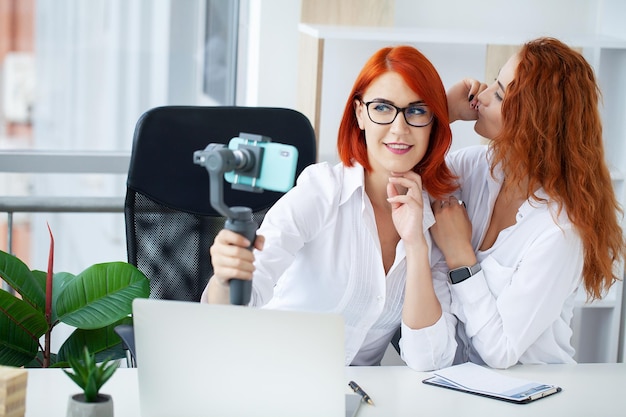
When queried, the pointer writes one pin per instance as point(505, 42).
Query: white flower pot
point(77, 407)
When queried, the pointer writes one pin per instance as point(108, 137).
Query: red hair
point(552, 136)
point(420, 75)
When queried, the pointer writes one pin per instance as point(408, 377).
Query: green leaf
point(107, 371)
point(104, 342)
point(101, 295)
point(59, 281)
point(75, 377)
point(21, 326)
point(91, 388)
point(40, 282)
point(19, 277)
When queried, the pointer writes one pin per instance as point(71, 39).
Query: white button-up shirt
point(322, 253)
point(519, 307)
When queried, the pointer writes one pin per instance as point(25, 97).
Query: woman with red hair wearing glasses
point(354, 238)
point(541, 217)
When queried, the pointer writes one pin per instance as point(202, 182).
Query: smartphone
point(278, 166)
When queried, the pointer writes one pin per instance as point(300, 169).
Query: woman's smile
point(398, 148)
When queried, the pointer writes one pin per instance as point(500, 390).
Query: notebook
point(479, 380)
point(220, 360)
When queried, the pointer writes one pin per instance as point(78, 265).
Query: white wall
point(533, 16)
point(272, 59)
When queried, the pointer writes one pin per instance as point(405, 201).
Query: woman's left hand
point(452, 232)
point(407, 209)
point(462, 99)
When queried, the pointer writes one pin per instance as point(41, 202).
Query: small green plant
point(89, 375)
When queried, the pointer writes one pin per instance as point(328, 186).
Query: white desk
point(588, 390)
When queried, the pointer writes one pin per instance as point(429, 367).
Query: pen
point(357, 389)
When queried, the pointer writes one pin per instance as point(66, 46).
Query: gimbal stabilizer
point(246, 160)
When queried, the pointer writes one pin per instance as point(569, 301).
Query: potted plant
point(94, 302)
point(90, 377)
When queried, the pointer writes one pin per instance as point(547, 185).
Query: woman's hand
point(407, 210)
point(421, 306)
point(231, 257)
point(452, 232)
point(462, 99)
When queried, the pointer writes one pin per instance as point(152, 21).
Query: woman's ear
point(358, 112)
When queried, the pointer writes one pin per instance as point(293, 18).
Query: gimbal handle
point(217, 159)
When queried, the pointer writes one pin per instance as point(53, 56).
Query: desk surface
point(588, 390)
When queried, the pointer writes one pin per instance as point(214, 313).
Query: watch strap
point(474, 269)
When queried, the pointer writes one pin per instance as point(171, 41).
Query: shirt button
point(380, 298)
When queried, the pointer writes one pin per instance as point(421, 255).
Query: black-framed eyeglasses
point(383, 113)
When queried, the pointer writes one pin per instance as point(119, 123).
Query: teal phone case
point(278, 167)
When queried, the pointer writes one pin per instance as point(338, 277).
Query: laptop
point(221, 360)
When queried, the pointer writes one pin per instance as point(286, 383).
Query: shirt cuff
point(471, 290)
point(431, 347)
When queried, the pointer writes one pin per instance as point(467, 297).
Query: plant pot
point(77, 407)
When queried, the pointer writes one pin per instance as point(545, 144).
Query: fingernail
point(471, 97)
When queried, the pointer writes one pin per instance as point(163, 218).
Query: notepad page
point(478, 378)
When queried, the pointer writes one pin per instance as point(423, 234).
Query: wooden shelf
point(440, 36)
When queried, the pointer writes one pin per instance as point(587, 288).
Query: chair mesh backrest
point(170, 224)
point(176, 254)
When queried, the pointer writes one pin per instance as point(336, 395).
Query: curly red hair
point(552, 136)
point(422, 77)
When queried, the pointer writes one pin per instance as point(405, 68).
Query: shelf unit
point(331, 57)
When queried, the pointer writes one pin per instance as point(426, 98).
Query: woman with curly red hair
point(353, 238)
point(544, 217)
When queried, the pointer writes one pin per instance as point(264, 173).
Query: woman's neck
point(518, 189)
point(376, 187)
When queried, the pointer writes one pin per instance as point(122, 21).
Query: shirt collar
point(353, 180)
point(429, 216)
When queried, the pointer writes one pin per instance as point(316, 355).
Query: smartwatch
point(462, 273)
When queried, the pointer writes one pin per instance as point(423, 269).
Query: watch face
point(459, 274)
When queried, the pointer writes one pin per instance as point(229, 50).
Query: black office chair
point(170, 223)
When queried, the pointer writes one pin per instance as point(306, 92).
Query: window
point(220, 52)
